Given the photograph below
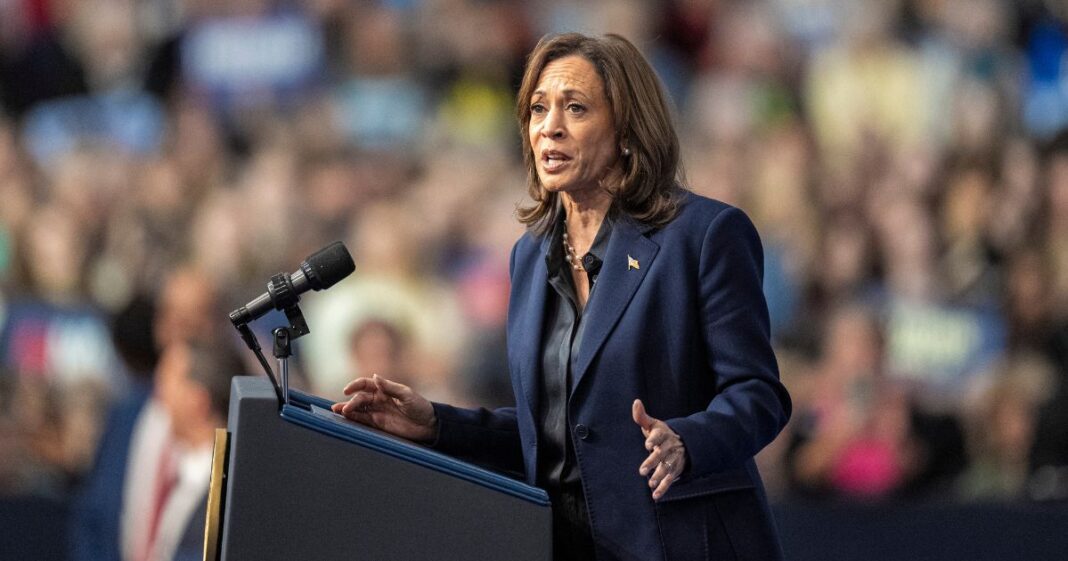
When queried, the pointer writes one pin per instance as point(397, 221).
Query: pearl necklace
point(571, 256)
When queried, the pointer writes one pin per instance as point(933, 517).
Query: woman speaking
point(638, 337)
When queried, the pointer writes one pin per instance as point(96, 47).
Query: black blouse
point(561, 340)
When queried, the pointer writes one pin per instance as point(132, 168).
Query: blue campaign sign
point(62, 344)
point(941, 346)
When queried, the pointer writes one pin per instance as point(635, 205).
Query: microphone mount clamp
point(281, 288)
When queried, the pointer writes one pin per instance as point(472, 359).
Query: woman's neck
point(584, 214)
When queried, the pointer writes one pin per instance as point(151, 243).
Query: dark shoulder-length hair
point(644, 127)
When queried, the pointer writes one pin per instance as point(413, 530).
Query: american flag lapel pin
point(632, 263)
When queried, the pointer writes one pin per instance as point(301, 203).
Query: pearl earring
point(626, 152)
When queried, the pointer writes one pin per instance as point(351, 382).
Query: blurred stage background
point(905, 161)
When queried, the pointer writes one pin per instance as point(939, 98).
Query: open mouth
point(553, 161)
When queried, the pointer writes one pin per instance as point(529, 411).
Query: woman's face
point(571, 130)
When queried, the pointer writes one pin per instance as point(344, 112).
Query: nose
point(553, 125)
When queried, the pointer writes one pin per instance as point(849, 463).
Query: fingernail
point(643, 471)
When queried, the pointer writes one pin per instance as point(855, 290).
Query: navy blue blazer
point(96, 510)
point(677, 319)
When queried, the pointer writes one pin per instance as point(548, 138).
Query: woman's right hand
point(389, 406)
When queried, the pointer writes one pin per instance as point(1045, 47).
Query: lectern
point(300, 482)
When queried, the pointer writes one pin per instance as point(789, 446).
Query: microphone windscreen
point(327, 266)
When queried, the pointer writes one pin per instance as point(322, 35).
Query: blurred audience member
point(390, 285)
point(188, 307)
point(380, 347)
point(380, 104)
point(123, 494)
point(854, 438)
point(194, 388)
point(133, 439)
point(1001, 430)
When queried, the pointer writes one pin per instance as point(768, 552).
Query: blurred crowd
point(903, 160)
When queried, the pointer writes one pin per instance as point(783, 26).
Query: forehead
point(570, 73)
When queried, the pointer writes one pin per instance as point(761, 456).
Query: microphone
point(319, 271)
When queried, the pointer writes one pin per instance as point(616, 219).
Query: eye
point(576, 108)
point(537, 109)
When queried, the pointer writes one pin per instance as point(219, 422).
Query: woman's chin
point(568, 187)
point(555, 186)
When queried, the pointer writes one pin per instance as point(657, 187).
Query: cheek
point(184, 404)
point(169, 398)
point(602, 140)
point(534, 157)
point(600, 153)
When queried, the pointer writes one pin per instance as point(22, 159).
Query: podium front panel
point(300, 485)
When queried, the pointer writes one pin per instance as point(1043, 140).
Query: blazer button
point(582, 431)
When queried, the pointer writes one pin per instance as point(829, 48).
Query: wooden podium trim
point(216, 490)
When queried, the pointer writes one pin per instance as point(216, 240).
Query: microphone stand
point(283, 344)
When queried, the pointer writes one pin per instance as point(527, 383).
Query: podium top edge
point(300, 413)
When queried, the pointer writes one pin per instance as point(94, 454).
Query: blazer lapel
point(528, 333)
point(628, 258)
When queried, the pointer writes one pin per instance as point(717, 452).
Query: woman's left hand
point(667, 457)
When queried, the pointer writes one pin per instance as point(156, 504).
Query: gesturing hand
point(667, 456)
point(389, 406)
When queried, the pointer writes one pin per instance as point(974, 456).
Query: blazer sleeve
point(486, 437)
point(750, 405)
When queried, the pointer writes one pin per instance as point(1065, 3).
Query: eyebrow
point(567, 93)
